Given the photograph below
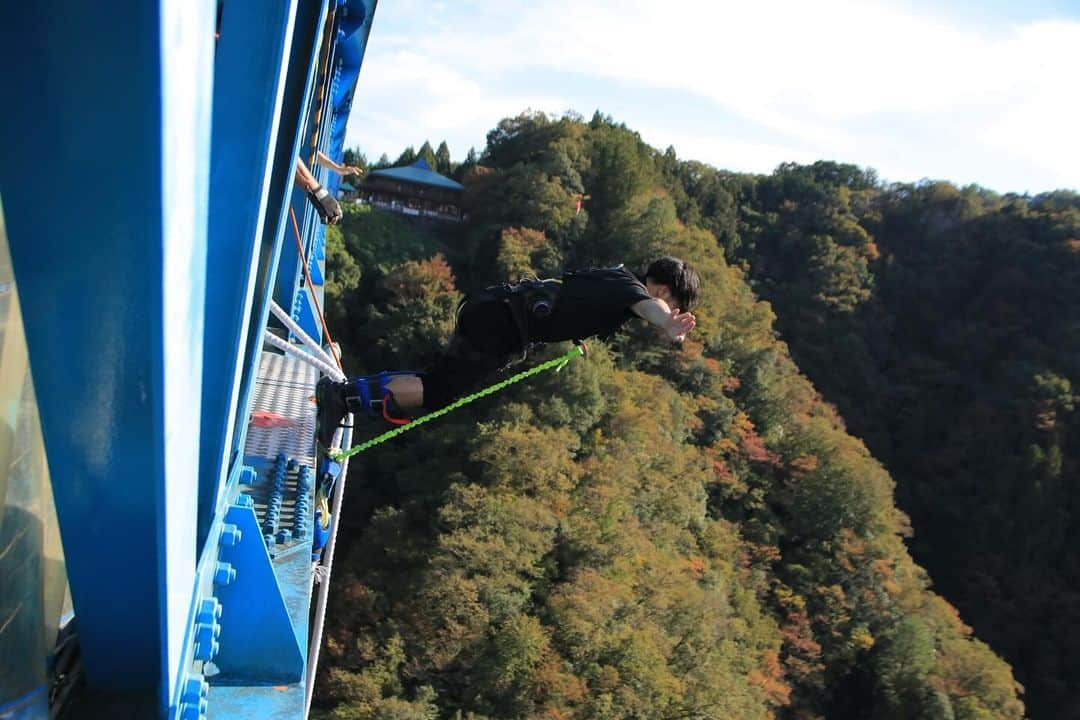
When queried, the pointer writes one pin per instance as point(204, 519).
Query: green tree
point(427, 154)
point(691, 532)
point(342, 277)
point(442, 160)
point(524, 252)
point(903, 664)
point(414, 314)
point(355, 158)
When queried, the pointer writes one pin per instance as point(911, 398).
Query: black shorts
point(485, 340)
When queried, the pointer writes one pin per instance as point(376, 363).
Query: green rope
point(558, 363)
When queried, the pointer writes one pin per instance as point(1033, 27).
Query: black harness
point(526, 300)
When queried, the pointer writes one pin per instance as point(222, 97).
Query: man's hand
point(352, 170)
point(674, 323)
point(325, 204)
point(677, 325)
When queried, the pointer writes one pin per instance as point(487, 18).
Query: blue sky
point(968, 92)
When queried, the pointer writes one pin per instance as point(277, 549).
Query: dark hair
point(680, 277)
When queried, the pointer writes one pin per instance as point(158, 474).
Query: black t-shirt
point(591, 302)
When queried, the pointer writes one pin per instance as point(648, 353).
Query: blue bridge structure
point(166, 538)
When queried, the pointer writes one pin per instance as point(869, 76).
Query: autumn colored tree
point(691, 531)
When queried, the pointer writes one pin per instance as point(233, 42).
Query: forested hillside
point(945, 325)
point(692, 532)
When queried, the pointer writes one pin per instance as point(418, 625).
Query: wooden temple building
point(414, 190)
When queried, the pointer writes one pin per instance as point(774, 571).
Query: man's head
point(674, 282)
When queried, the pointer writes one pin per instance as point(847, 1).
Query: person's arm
point(656, 312)
point(320, 197)
point(328, 163)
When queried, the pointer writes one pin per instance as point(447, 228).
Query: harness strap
point(524, 299)
point(372, 389)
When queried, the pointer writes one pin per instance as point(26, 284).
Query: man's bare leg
point(408, 391)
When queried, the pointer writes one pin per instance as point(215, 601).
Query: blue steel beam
point(290, 270)
point(274, 261)
point(258, 643)
point(250, 71)
point(111, 280)
point(352, 26)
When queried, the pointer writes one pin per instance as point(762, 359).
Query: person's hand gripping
point(679, 324)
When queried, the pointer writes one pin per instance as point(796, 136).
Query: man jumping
point(497, 324)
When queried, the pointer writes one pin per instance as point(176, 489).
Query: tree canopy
point(692, 531)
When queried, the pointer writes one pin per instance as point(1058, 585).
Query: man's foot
point(332, 409)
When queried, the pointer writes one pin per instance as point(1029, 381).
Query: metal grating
point(283, 387)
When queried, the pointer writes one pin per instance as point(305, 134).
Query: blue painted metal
point(289, 272)
point(193, 698)
point(304, 313)
point(354, 27)
point(113, 304)
point(224, 573)
point(250, 63)
point(332, 101)
point(187, 250)
point(314, 266)
point(247, 475)
point(273, 262)
point(34, 705)
point(257, 638)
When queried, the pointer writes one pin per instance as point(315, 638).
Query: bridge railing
point(145, 295)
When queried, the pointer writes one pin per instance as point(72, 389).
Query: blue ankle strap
point(362, 385)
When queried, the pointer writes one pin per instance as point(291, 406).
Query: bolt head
point(195, 688)
point(205, 634)
point(204, 651)
point(209, 610)
point(230, 535)
point(224, 573)
point(248, 476)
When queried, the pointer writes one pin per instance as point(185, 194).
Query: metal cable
point(324, 585)
point(295, 329)
point(310, 359)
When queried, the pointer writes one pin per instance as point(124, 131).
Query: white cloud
point(405, 97)
point(727, 151)
point(805, 78)
point(1041, 125)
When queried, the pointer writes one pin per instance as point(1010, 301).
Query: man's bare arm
point(327, 162)
point(328, 208)
point(304, 178)
point(657, 312)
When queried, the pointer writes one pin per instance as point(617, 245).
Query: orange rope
point(311, 289)
point(386, 415)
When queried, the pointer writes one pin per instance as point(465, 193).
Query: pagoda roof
point(419, 173)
